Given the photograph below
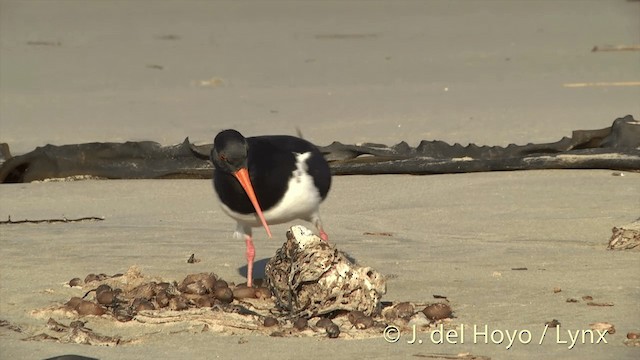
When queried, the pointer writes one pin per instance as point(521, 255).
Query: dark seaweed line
point(49, 221)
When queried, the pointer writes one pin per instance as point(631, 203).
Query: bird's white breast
point(301, 199)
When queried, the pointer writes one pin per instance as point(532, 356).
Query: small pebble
point(91, 277)
point(404, 309)
point(141, 304)
point(324, 323)
point(437, 311)
point(333, 331)
point(243, 292)
point(89, 308)
point(353, 316)
point(553, 323)
point(300, 324)
point(224, 294)
point(106, 297)
point(263, 293)
point(73, 302)
point(633, 335)
point(162, 298)
point(75, 282)
point(270, 321)
point(220, 284)
point(178, 303)
point(363, 322)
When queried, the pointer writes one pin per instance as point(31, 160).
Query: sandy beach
point(487, 72)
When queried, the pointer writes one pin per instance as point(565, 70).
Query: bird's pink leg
point(251, 254)
point(315, 219)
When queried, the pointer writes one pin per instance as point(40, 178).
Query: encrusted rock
point(310, 277)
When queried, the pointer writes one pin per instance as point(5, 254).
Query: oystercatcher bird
point(266, 180)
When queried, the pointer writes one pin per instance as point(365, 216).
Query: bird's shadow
point(258, 269)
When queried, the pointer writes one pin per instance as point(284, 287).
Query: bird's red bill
point(243, 177)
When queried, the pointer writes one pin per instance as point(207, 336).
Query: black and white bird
point(266, 180)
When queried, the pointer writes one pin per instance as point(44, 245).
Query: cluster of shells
point(124, 300)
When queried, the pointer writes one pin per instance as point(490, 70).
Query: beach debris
point(616, 48)
point(377, 233)
point(593, 303)
point(205, 302)
point(633, 335)
point(310, 277)
point(587, 297)
point(301, 323)
point(75, 333)
point(437, 311)
point(519, 268)
point(75, 282)
point(192, 259)
point(572, 300)
point(553, 323)
point(625, 237)
point(603, 326)
point(556, 290)
point(49, 221)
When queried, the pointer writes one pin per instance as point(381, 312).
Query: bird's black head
point(229, 152)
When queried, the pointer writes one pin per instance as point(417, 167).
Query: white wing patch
point(301, 200)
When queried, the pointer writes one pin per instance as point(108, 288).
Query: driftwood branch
point(49, 221)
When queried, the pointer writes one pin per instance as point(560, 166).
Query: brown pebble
point(73, 302)
point(572, 300)
point(390, 313)
point(224, 294)
point(333, 331)
point(178, 303)
point(556, 290)
point(106, 297)
point(202, 301)
point(324, 323)
point(91, 277)
point(89, 308)
point(553, 323)
point(163, 286)
point(204, 281)
point(146, 291)
point(363, 322)
point(220, 284)
point(75, 282)
point(437, 311)
point(243, 292)
point(633, 335)
point(587, 297)
point(263, 293)
point(353, 316)
point(196, 288)
point(162, 298)
point(103, 287)
point(301, 324)
point(140, 304)
point(404, 309)
point(270, 321)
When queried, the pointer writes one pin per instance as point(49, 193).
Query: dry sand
point(484, 72)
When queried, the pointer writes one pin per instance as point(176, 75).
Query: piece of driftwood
point(49, 221)
point(616, 147)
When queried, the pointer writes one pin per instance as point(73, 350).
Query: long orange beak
point(243, 177)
